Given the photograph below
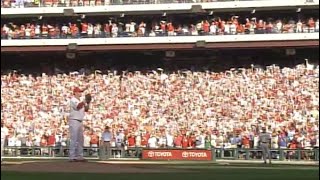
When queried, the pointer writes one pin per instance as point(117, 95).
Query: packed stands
point(157, 27)
point(168, 108)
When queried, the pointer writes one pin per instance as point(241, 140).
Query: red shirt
point(147, 136)
point(170, 28)
point(51, 140)
point(106, 28)
point(144, 141)
point(178, 141)
point(311, 23)
point(206, 27)
point(94, 139)
point(43, 142)
point(84, 27)
point(163, 27)
point(192, 142)
point(131, 141)
point(185, 142)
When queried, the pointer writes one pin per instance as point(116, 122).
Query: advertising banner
point(177, 154)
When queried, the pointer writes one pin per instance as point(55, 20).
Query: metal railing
point(136, 152)
point(148, 34)
point(79, 3)
point(276, 154)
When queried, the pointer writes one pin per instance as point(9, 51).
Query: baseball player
point(76, 116)
point(264, 139)
point(4, 133)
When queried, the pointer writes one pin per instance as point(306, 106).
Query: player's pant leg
point(108, 147)
point(73, 127)
point(2, 148)
point(269, 153)
point(80, 141)
point(264, 152)
point(103, 151)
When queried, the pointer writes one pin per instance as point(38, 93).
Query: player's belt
point(106, 141)
point(77, 120)
point(264, 142)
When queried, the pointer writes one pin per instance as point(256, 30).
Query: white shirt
point(138, 140)
point(106, 136)
point(233, 28)
point(279, 26)
point(201, 140)
point(74, 112)
point(86, 142)
point(132, 27)
point(64, 29)
point(256, 141)
point(152, 142)
point(28, 32)
point(213, 28)
point(4, 132)
point(37, 140)
point(114, 30)
point(12, 141)
point(227, 28)
point(170, 140)
point(90, 29)
point(119, 139)
point(29, 143)
point(162, 140)
point(18, 142)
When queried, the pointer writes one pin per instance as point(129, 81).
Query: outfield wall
point(165, 154)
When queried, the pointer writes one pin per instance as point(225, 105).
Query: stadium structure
point(241, 50)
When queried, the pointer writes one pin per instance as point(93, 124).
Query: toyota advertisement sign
point(177, 154)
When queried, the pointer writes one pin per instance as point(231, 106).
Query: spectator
point(112, 28)
point(177, 109)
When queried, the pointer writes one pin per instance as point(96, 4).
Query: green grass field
point(193, 172)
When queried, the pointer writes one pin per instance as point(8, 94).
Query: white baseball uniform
point(4, 133)
point(76, 117)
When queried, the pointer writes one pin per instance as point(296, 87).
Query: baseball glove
point(88, 98)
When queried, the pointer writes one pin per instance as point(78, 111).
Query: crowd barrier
point(119, 6)
point(161, 40)
point(212, 154)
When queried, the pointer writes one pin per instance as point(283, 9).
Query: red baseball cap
point(77, 90)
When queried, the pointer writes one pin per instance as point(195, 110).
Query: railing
point(157, 33)
point(79, 3)
point(137, 152)
point(276, 154)
point(162, 40)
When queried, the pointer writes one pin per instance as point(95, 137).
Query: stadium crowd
point(130, 28)
point(158, 108)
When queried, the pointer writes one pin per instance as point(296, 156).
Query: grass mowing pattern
point(227, 173)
